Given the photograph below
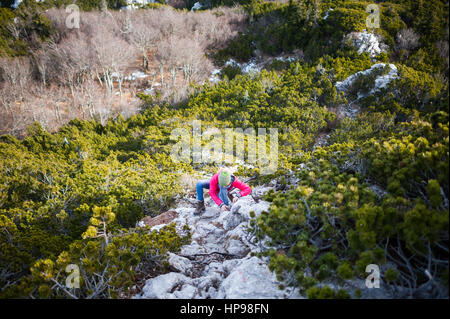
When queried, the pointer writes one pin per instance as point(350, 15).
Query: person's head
point(224, 177)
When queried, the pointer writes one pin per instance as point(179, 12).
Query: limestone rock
point(164, 287)
point(181, 264)
point(367, 42)
point(219, 263)
point(251, 279)
point(381, 81)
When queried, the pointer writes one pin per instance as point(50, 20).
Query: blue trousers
point(223, 191)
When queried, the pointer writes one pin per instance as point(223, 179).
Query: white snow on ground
point(16, 4)
point(196, 6)
point(255, 65)
point(132, 77)
point(133, 4)
point(285, 59)
point(240, 275)
point(215, 76)
point(327, 13)
point(248, 67)
point(115, 75)
point(136, 75)
point(380, 82)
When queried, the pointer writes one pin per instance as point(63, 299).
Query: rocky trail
point(218, 262)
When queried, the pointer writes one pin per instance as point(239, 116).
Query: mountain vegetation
point(74, 186)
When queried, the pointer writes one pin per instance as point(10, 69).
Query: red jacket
point(214, 187)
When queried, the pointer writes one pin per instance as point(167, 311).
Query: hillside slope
point(221, 262)
point(361, 151)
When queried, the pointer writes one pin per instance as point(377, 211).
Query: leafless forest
point(96, 70)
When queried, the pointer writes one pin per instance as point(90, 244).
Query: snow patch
point(255, 65)
point(132, 77)
point(248, 67)
point(136, 75)
point(196, 6)
point(135, 4)
point(327, 13)
point(286, 59)
point(149, 91)
point(215, 76)
point(141, 224)
point(16, 4)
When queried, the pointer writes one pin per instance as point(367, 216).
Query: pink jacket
point(214, 188)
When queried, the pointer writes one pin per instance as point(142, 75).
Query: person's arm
point(245, 189)
point(214, 190)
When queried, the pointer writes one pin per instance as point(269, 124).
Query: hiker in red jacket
point(220, 184)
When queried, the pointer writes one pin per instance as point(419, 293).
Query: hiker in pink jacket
point(220, 184)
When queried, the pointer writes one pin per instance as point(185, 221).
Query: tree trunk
point(173, 72)
point(120, 88)
point(161, 70)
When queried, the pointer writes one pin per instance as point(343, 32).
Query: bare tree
point(113, 55)
point(64, 77)
point(104, 6)
point(16, 72)
point(192, 61)
point(442, 48)
point(15, 29)
point(71, 62)
point(15, 77)
point(42, 63)
point(57, 19)
point(407, 40)
point(144, 37)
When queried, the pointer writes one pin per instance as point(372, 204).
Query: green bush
point(126, 256)
point(334, 213)
point(375, 192)
point(326, 292)
point(230, 71)
point(345, 270)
